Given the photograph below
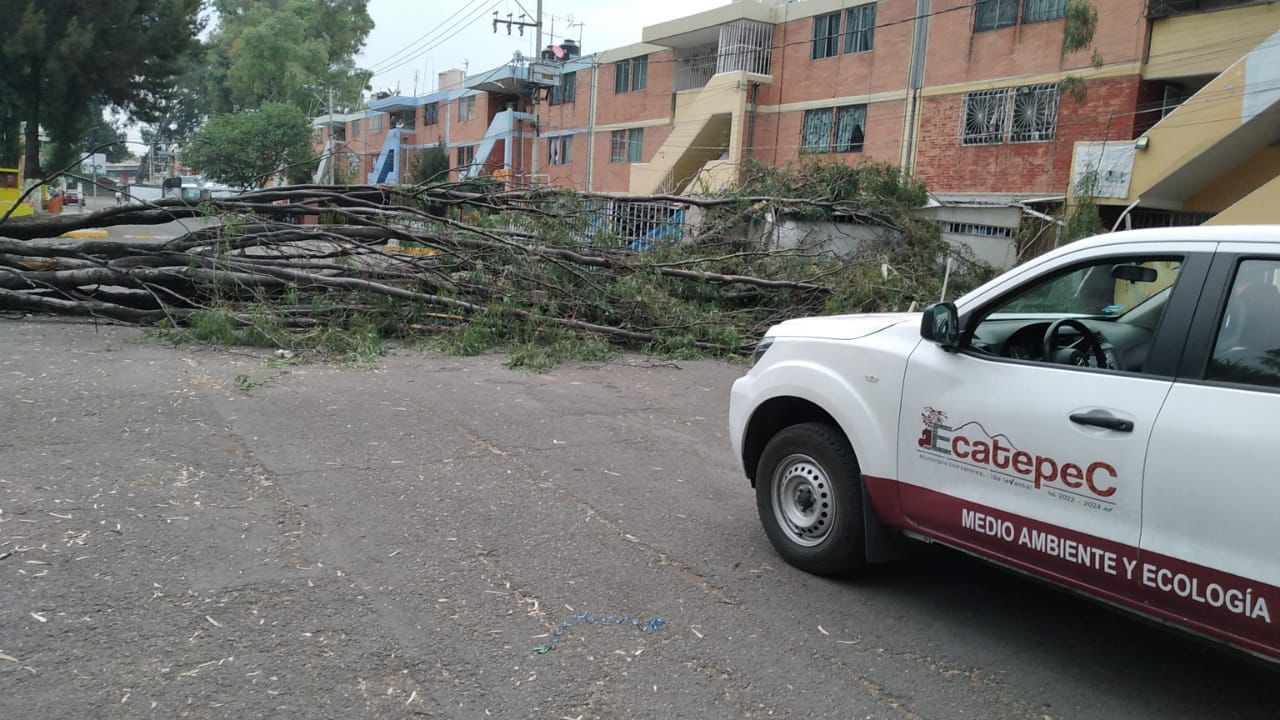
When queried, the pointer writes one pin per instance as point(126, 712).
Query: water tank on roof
point(571, 49)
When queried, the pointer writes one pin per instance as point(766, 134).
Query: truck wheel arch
point(771, 417)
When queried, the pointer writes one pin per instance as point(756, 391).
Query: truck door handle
point(1102, 420)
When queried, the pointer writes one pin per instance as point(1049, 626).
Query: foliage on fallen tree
point(550, 275)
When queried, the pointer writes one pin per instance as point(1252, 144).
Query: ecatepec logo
point(971, 443)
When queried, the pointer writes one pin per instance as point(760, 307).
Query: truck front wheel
point(809, 494)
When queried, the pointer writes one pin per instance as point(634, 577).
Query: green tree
point(246, 149)
point(430, 163)
point(106, 132)
point(287, 51)
point(63, 57)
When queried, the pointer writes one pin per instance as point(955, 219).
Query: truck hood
point(841, 327)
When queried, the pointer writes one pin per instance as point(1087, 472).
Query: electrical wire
point(375, 66)
point(460, 25)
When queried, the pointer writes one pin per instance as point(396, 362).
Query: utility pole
point(537, 25)
point(533, 152)
point(333, 146)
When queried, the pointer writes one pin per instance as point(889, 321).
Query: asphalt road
point(191, 533)
point(136, 233)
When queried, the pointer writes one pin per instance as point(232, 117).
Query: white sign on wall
point(1103, 169)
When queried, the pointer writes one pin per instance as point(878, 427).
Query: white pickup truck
point(1106, 417)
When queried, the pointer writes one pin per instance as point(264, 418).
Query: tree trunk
point(33, 171)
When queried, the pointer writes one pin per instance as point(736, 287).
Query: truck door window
point(1247, 349)
point(1103, 315)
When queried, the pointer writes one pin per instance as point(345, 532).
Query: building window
point(355, 128)
point(467, 108)
point(375, 123)
point(859, 28)
point(618, 146)
point(635, 145)
point(640, 73)
point(826, 36)
point(1019, 114)
point(1043, 10)
point(631, 75)
point(626, 145)
point(566, 91)
point(560, 150)
point(466, 157)
point(959, 228)
point(621, 76)
point(1035, 113)
point(431, 113)
point(995, 14)
point(840, 129)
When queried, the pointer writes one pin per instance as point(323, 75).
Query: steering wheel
point(1092, 345)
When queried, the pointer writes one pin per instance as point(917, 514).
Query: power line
point(460, 25)
point(394, 57)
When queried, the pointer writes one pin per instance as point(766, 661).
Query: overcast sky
point(436, 35)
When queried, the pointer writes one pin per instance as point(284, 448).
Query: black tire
point(813, 468)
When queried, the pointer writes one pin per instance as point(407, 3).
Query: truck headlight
point(761, 349)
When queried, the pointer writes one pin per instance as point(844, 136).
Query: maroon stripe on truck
point(1237, 610)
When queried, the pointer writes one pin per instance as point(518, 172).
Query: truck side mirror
point(941, 324)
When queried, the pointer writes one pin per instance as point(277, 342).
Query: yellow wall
point(1260, 207)
point(1207, 43)
point(1242, 180)
point(1194, 128)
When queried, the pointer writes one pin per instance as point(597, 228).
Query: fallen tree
point(476, 266)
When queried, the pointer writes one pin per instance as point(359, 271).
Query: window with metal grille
point(1043, 10)
point(355, 128)
point(840, 129)
point(859, 28)
point(851, 123)
point(1018, 114)
point(467, 108)
point(986, 115)
point(1035, 113)
point(995, 14)
point(375, 123)
point(560, 150)
point(431, 113)
point(816, 136)
point(826, 36)
point(566, 91)
point(960, 228)
point(618, 146)
point(635, 145)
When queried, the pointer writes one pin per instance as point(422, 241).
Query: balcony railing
point(745, 45)
point(695, 71)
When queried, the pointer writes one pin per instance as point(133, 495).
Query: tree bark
point(33, 171)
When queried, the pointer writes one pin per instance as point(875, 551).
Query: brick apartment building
point(967, 96)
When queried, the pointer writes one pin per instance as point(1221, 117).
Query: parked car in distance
point(1102, 417)
point(72, 197)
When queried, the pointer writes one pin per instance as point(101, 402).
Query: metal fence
point(638, 226)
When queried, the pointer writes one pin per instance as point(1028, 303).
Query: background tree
point(103, 131)
point(61, 57)
point(430, 163)
point(246, 149)
point(284, 51)
point(10, 129)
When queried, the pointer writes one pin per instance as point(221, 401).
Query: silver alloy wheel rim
point(804, 501)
